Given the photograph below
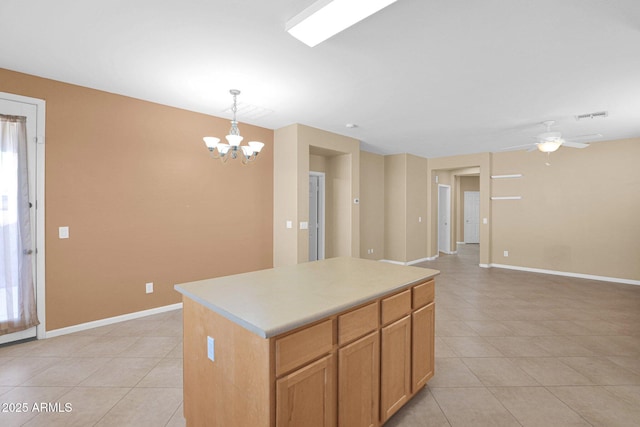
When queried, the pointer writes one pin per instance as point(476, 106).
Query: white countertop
point(273, 301)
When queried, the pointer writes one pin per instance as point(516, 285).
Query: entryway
point(316, 215)
point(21, 217)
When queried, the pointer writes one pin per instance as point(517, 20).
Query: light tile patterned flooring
point(126, 374)
point(512, 348)
point(516, 348)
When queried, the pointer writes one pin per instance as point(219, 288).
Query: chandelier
point(224, 151)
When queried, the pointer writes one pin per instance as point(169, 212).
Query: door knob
point(27, 251)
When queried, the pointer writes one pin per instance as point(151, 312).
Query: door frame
point(321, 212)
point(39, 227)
point(448, 214)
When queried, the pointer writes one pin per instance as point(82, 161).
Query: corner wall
point(372, 205)
point(292, 151)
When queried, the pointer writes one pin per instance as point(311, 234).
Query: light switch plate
point(63, 232)
point(149, 287)
point(304, 225)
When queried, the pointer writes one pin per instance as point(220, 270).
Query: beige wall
point(143, 200)
point(417, 213)
point(372, 193)
point(292, 151)
point(579, 215)
point(395, 202)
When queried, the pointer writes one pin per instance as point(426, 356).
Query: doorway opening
point(34, 111)
point(316, 215)
point(444, 218)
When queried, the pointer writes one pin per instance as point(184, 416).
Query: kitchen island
point(342, 341)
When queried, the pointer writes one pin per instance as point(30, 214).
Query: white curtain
point(17, 299)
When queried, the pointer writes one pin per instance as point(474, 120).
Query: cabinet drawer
point(423, 294)
point(303, 346)
point(396, 306)
point(357, 323)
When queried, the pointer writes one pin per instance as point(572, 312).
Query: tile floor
point(126, 374)
point(512, 348)
point(525, 349)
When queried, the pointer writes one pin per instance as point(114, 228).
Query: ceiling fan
point(550, 141)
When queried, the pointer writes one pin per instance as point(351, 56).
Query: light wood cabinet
point(395, 367)
point(422, 339)
point(354, 368)
point(307, 397)
point(358, 382)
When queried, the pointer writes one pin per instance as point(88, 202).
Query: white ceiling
point(428, 77)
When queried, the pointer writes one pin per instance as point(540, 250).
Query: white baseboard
point(484, 265)
point(567, 274)
point(111, 320)
point(393, 262)
point(461, 243)
point(415, 261)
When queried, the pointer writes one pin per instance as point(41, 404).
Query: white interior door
point(316, 216)
point(444, 218)
point(472, 217)
point(9, 105)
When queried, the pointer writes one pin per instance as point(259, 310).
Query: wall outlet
point(149, 287)
point(506, 253)
point(211, 354)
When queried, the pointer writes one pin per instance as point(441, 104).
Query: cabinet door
point(423, 346)
point(307, 397)
point(395, 367)
point(358, 382)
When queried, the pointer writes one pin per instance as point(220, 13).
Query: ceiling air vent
point(601, 114)
point(250, 112)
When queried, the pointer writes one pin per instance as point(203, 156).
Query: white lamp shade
point(248, 151)
point(256, 146)
point(234, 140)
point(211, 142)
point(549, 146)
point(223, 149)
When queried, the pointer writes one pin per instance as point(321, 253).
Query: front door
point(8, 296)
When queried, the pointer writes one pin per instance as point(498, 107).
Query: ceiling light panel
point(326, 18)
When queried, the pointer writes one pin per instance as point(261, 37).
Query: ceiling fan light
point(549, 146)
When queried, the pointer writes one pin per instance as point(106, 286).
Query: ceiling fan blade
point(586, 137)
point(518, 147)
point(575, 144)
